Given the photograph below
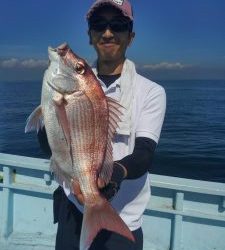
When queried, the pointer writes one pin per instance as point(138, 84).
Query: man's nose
point(107, 33)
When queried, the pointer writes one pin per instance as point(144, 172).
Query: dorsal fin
point(114, 118)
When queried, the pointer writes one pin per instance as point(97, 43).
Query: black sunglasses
point(115, 25)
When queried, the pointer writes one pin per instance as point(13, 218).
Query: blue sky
point(176, 39)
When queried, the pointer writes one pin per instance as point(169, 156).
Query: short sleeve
point(152, 114)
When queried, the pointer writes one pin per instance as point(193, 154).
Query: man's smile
point(108, 44)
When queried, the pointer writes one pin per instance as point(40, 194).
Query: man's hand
point(77, 191)
point(109, 190)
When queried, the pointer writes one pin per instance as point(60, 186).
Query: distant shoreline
point(156, 80)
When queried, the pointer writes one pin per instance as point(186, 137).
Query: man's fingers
point(101, 183)
point(77, 192)
point(76, 187)
point(80, 198)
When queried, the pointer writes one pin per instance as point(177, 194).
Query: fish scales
point(84, 136)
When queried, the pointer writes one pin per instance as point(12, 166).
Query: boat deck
point(182, 214)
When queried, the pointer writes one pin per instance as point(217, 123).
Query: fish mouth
point(62, 91)
point(61, 50)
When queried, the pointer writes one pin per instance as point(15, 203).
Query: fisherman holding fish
point(103, 125)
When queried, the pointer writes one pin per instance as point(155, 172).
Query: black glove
point(110, 190)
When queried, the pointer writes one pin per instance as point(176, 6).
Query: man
point(111, 33)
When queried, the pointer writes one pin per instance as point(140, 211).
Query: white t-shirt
point(147, 118)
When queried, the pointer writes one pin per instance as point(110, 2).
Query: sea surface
point(192, 143)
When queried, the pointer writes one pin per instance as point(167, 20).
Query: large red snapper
point(80, 122)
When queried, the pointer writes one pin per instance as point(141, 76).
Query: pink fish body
point(80, 122)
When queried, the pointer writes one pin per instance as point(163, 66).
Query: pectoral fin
point(60, 110)
point(35, 121)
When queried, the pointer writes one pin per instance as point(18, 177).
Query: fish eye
point(79, 67)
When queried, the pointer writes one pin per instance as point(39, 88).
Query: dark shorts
point(69, 220)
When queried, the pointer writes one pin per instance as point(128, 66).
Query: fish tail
point(99, 217)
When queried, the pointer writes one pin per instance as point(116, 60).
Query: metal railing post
point(177, 227)
point(223, 202)
point(7, 211)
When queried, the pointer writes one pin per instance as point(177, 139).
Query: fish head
point(81, 71)
point(60, 75)
point(68, 73)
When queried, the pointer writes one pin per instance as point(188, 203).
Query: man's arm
point(140, 161)
point(43, 141)
point(149, 126)
point(132, 166)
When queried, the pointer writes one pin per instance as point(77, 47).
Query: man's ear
point(90, 39)
point(132, 35)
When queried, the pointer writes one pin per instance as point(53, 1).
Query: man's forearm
point(140, 161)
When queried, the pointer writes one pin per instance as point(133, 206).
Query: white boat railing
point(182, 213)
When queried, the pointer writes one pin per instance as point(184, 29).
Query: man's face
point(109, 44)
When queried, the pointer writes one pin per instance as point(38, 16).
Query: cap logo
point(119, 2)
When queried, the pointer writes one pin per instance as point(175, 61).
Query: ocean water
point(192, 143)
